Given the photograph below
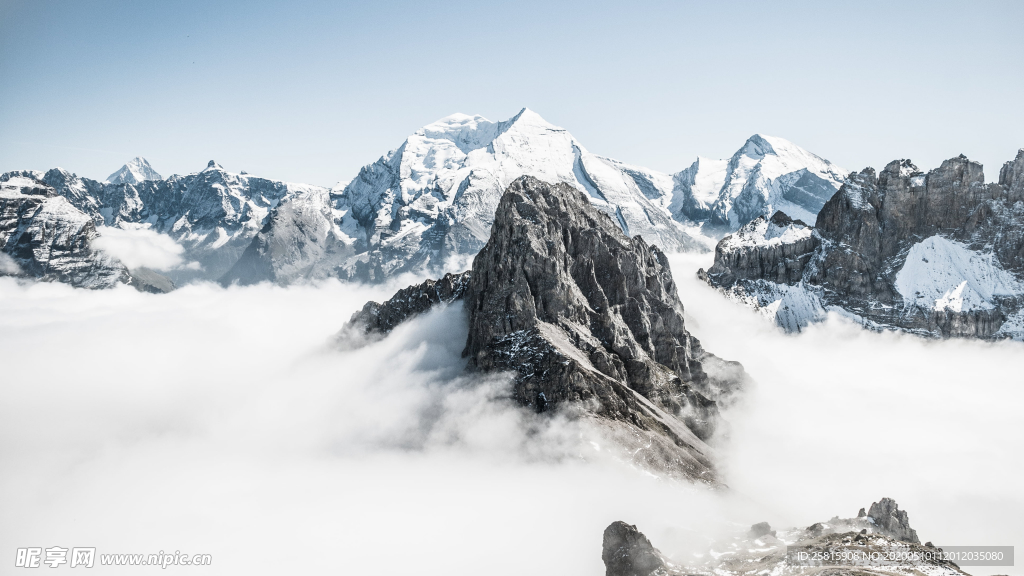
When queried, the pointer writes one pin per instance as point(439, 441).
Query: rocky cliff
point(586, 319)
point(938, 253)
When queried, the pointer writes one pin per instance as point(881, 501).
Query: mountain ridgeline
point(427, 206)
point(935, 253)
point(589, 321)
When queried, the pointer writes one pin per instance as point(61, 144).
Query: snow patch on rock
point(941, 274)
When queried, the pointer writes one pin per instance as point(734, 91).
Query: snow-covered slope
point(136, 171)
point(942, 274)
point(428, 206)
point(767, 174)
point(43, 236)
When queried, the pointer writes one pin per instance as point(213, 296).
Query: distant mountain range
point(427, 207)
point(938, 253)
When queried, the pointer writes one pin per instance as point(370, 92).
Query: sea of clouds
point(227, 421)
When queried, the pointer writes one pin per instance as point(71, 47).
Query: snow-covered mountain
point(937, 253)
point(134, 172)
point(428, 205)
point(214, 214)
point(765, 175)
point(44, 236)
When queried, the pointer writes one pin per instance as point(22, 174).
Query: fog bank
point(221, 421)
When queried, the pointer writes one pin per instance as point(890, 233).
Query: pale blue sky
point(309, 91)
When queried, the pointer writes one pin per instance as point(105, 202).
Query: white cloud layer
point(141, 248)
point(219, 421)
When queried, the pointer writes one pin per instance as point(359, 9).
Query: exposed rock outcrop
point(939, 254)
point(761, 529)
point(627, 552)
point(584, 317)
point(891, 521)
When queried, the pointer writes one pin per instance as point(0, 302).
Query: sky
point(310, 91)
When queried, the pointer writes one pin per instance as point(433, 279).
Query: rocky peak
point(584, 313)
point(585, 318)
point(891, 521)
point(135, 171)
point(627, 552)
point(1011, 176)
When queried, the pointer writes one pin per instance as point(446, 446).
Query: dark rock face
point(627, 552)
point(761, 529)
point(865, 232)
point(584, 317)
point(408, 302)
point(892, 521)
point(583, 313)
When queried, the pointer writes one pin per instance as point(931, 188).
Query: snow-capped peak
point(211, 165)
point(527, 117)
point(435, 196)
point(466, 132)
point(766, 174)
point(135, 171)
point(760, 145)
